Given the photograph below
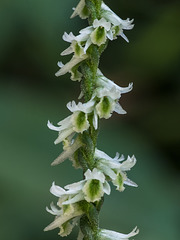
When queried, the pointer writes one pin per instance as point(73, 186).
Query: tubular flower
point(109, 94)
point(75, 123)
point(115, 169)
point(91, 189)
point(118, 24)
point(66, 217)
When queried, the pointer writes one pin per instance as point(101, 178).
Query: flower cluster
point(108, 27)
point(84, 118)
point(91, 189)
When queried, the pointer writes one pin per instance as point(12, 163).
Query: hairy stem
point(90, 221)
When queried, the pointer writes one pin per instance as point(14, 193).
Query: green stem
point(89, 223)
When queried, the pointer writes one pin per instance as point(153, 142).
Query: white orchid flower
point(91, 189)
point(109, 93)
point(118, 24)
point(108, 84)
point(114, 169)
point(75, 123)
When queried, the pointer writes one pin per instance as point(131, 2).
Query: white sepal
point(112, 235)
point(83, 107)
point(94, 174)
point(59, 220)
point(79, 10)
point(56, 190)
point(68, 66)
point(70, 150)
point(115, 169)
point(54, 210)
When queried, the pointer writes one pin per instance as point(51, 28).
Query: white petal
point(83, 107)
point(116, 158)
point(119, 109)
point(108, 84)
point(65, 122)
point(88, 43)
point(68, 37)
point(81, 95)
point(87, 30)
point(60, 64)
point(124, 36)
point(101, 154)
point(106, 188)
point(112, 235)
point(68, 66)
point(95, 120)
point(111, 164)
point(128, 164)
point(56, 190)
point(125, 89)
point(107, 170)
point(94, 174)
point(109, 15)
point(77, 198)
point(62, 219)
point(110, 35)
point(52, 127)
point(67, 153)
point(75, 186)
point(113, 93)
point(103, 23)
point(54, 210)
point(130, 183)
point(63, 134)
point(67, 51)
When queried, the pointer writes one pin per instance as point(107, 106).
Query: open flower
point(115, 169)
point(99, 32)
point(108, 103)
point(77, 43)
point(76, 122)
point(91, 189)
point(104, 82)
point(118, 24)
point(96, 34)
point(109, 94)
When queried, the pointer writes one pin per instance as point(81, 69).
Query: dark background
point(30, 94)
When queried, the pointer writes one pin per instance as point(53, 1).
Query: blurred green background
point(30, 94)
